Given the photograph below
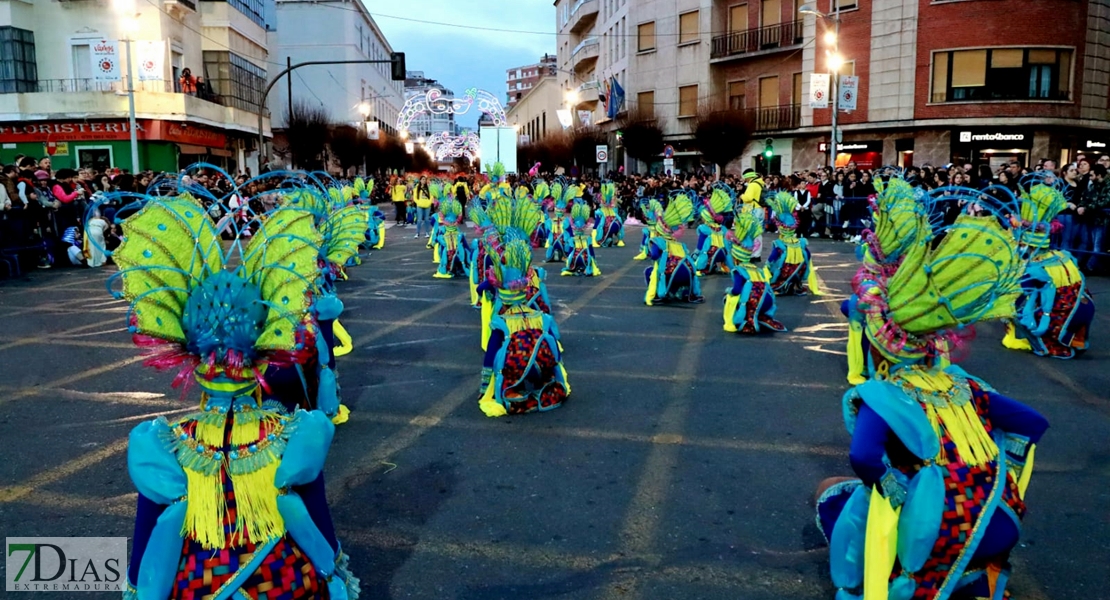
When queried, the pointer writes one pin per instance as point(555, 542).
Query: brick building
point(520, 80)
point(939, 80)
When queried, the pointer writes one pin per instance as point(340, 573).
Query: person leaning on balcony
point(187, 83)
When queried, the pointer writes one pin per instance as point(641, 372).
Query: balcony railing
point(774, 118)
point(93, 85)
point(988, 94)
point(754, 40)
point(583, 45)
point(69, 86)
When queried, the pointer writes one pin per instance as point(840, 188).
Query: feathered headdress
point(783, 205)
point(1039, 206)
point(652, 209)
point(746, 229)
point(540, 191)
point(194, 313)
point(580, 215)
point(608, 195)
point(716, 206)
point(450, 212)
point(679, 211)
point(897, 221)
point(496, 173)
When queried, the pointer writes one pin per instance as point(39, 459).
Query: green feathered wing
point(344, 230)
point(168, 247)
point(282, 261)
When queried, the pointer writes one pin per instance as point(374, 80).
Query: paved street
point(683, 465)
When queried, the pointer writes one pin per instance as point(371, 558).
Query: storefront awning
point(191, 149)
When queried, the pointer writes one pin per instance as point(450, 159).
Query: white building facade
point(309, 30)
point(62, 87)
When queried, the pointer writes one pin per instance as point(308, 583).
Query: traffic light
point(397, 67)
point(769, 149)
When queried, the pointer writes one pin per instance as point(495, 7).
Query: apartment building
point(594, 45)
point(520, 80)
point(311, 30)
point(938, 81)
point(535, 115)
point(63, 83)
point(434, 121)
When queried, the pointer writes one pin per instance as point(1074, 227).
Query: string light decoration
point(446, 146)
point(434, 103)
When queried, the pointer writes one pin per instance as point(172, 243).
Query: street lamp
point(834, 62)
point(130, 24)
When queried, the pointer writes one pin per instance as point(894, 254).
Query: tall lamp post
point(364, 110)
point(129, 22)
point(834, 61)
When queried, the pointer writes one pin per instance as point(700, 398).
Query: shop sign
point(56, 148)
point(1095, 145)
point(84, 131)
point(853, 147)
point(1008, 138)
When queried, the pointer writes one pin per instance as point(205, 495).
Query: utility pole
point(289, 91)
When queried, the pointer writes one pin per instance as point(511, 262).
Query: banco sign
point(967, 136)
point(65, 564)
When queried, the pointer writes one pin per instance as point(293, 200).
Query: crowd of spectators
point(44, 220)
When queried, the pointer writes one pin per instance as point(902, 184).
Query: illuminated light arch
point(445, 146)
point(434, 103)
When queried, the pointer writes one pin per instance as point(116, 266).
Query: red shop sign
point(83, 131)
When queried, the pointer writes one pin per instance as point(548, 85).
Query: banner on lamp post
point(105, 60)
point(818, 90)
point(152, 60)
point(373, 130)
point(586, 118)
point(849, 91)
point(565, 118)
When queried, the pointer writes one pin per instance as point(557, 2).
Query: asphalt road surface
point(683, 465)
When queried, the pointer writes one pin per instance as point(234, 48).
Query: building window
point(736, 95)
point(18, 68)
point(769, 91)
point(770, 13)
point(738, 18)
point(645, 102)
point(234, 80)
point(645, 37)
point(1001, 74)
point(796, 95)
point(842, 5)
point(688, 27)
point(687, 100)
point(255, 10)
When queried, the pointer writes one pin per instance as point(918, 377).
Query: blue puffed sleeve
point(147, 512)
point(306, 449)
point(152, 464)
point(904, 416)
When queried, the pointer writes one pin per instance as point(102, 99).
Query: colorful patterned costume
point(522, 371)
point(716, 216)
point(943, 460)
point(672, 276)
point(610, 226)
point(1055, 311)
point(651, 209)
point(792, 273)
point(509, 218)
point(360, 192)
point(231, 496)
point(560, 238)
point(895, 210)
point(541, 195)
point(581, 261)
point(451, 245)
point(749, 303)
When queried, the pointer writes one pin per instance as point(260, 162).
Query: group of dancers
point(232, 499)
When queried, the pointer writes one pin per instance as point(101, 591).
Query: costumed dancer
point(496, 187)
point(541, 195)
point(790, 263)
point(749, 303)
point(479, 260)
point(507, 218)
point(943, 460)
point(609, 229)
point(451, 244)
point(560, 238)
point(231, 497)
point(375, 233)
point(716, 219)
point(1055, 310)
point(581, 260)
point(672, 277)
point(651, 208)
point(523, 370)
point(895, 211)
point(751, 200)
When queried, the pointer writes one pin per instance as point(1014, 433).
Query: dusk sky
point(458, 55)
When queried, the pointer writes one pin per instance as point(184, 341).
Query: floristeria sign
point(88, 131)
